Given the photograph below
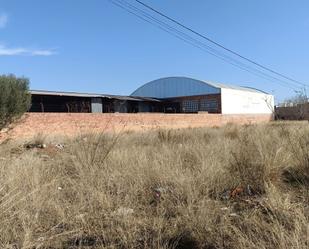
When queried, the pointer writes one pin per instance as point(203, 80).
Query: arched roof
point(182, 86)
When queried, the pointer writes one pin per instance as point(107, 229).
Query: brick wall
point(71, 124)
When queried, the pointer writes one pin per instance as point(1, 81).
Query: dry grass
point(230, 187)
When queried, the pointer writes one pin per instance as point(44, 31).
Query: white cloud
point(3, 20)
point(6, 51)
point(9, 51)
point(43, 52)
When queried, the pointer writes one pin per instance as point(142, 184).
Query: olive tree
point(15, 98)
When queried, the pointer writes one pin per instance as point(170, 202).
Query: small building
point(167, 95)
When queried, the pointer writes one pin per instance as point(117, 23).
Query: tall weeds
point(195, 188)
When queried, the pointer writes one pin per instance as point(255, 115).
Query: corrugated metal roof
point(56, 93)
point(243, 88)
point(170, 87)
point(91, 95)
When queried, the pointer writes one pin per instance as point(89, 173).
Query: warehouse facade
point(165, 95)
point(193, 95)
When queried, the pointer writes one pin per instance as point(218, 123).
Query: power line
point(221, 46)
point(212, 51)
point(192, 41)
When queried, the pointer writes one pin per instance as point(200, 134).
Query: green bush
point(15, 98)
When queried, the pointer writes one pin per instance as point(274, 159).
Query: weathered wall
point(71, 124)
point(242, 102)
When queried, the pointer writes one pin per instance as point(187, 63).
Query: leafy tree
point(15, 98)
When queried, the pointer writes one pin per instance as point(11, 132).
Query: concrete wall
point(71, 124)
point(245, 102)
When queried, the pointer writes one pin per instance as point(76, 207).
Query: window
point(190, 105)
point(208, 105)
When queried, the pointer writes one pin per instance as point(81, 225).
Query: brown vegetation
point(229, 187)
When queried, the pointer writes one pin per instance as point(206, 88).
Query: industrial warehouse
point(165, 95)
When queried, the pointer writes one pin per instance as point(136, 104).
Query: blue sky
point(93, 46)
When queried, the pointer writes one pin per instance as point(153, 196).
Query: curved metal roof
point(183, 86)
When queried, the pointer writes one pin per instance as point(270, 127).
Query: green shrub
point(14, 98)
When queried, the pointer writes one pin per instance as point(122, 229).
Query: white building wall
point(246, 102)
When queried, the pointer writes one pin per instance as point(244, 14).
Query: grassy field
point(230, 187)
